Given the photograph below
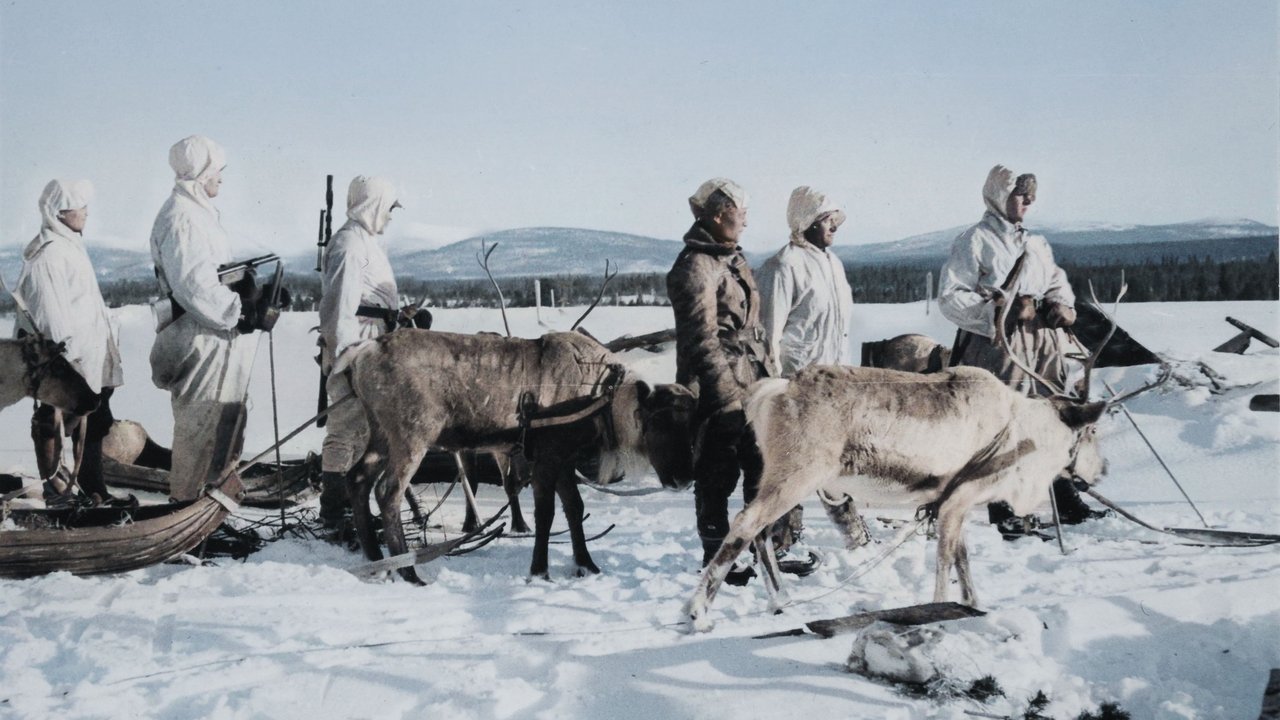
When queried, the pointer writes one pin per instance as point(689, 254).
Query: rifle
point(323, 236)
point(325, 232)
point(964, 337)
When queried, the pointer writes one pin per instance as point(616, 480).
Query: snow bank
point(1167, 630)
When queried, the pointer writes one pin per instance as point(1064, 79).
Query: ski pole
point(238, 470)
point(1152, 448)
point(275, 427)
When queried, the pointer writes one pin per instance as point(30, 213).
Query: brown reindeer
point(909, 353)
point(422, 389)
point(34, 366)
point(944, 441)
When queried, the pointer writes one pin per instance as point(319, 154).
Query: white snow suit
point(982, 257)
point(60, 289)
point(356, 274)
point(806, 300)
point(200, 357)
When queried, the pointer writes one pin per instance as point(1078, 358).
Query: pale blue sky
point(608, 115)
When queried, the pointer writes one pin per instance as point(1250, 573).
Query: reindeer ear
point(1076, 415)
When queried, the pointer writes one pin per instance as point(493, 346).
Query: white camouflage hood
point(369, 202)
point(58, 195)
point(194, 160)
point(806, 206)
point(995, 193)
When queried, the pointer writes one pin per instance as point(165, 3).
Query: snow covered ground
point(1166, 630)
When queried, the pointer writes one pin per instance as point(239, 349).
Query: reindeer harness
point(529, 416)
point(37, 369)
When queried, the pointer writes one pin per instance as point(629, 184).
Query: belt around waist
point(386, 315)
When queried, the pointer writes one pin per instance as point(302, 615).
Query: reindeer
point(34, 366)
point(946, 441)
point(911, 353)
point(552, 398)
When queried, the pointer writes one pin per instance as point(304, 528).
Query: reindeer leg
point(390, 497)
point(767, 559)
point(571, 502)
point(544, 511)
point(513, 482)
point(967, 594)
point(467, 472)
point(360, 485)
point(950, 525)
point(467, 469)
point(775, 499)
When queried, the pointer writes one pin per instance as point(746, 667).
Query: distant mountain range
point(547, 251)
point(1221, 239)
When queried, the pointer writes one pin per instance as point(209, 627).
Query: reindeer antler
point(1092, 358)
point(482, 257)
point(1013, 356)
point(1166, 372)
point(607, 277)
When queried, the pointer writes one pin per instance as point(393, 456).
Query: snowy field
point(1166, 630)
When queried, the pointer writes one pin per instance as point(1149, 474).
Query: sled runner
point(92, 541)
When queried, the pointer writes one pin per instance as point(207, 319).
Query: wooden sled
point(93, 541)
point(264, 487)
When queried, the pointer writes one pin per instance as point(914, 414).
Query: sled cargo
point(94, 541)
point(264, 487)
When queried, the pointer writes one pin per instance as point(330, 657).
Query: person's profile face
point(1017, 206)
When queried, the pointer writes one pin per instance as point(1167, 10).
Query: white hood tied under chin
point(370, 201)
point(806, 207)
point(1001, 183)
point(698, 200)
point(62, 195)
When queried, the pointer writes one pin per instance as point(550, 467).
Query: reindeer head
point(661, 420)
point(52, 380)
point(1086, 462)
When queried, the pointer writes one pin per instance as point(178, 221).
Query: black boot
point(1072, 510)
point(335, 508)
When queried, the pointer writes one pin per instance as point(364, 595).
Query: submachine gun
point(260, 306)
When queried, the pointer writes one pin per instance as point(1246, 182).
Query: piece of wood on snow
point(1271, 698)
point(1240, 343)
point(1265, 403)
point(911, 615)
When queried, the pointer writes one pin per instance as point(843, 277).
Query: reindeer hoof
point(587, 568)
point(700, 623)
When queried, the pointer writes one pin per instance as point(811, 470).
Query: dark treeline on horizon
point(1168, 280)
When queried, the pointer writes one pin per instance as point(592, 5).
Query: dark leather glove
point(246, 286)
point(414, 317)
point(1024, 309)
point(730, 421)
point(248, 315)
point(1060, 316)
point(258, 313)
